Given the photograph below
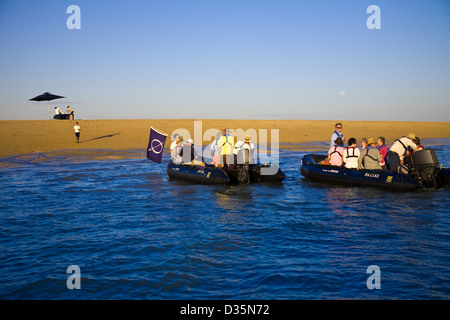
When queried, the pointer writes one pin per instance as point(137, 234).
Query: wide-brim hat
point(247, 138)
point(370, 141)
point(411, 135)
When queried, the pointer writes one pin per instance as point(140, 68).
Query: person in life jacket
point(337, 134)
point(370, 157)
point(397, 151)
point(417, 142)
point(336, 152)
point(239, 149)
point(383, 151)
point(407, 164)
point(351, 154)
point(226, 145)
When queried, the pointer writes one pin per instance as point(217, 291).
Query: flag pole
point(159, 131)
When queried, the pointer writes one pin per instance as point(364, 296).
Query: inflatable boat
point(62, 116)
point(424, 173)
point(234, 174)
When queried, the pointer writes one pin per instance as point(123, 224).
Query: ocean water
point(135, 234)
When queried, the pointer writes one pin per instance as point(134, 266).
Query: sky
point(227, 59)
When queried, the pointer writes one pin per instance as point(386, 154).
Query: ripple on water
point(138, 235)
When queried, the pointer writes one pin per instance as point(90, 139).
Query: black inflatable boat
point(424, 172)
point(235, 174)
point(62, 116)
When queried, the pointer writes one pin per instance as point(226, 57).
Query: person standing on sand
point(77, 130)
point(70, 112)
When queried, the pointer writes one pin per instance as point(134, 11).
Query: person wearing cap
point(226, 145)
point(188, 153)
point(397, 151)
point(242, 145)
point(370, 157)
point(337, 134)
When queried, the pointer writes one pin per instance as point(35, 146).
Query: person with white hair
point(188, 153)
point(176, 150)
point(176, 138)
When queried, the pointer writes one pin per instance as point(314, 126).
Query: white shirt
point(241, 145)
point(173, 144)
point(350, 157)
point(214, 146)
point(398, 148)
point(77, 128)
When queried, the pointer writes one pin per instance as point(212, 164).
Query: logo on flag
point(156, 145)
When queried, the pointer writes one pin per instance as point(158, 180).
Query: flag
point(156, 145)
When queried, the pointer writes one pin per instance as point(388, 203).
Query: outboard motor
point(423, 163)
point(243, 161)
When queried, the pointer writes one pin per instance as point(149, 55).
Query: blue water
point(135, 234)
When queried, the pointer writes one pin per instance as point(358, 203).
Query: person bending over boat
point(383, 151)
point(397, 151)
point(351, 154)
point(407, 164)
point(337, 134)
point(336, 152)
point(370, 157)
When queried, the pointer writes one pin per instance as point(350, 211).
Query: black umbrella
point(46, 96)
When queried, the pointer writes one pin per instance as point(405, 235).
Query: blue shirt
point(334, 136)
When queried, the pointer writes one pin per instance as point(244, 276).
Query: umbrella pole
point(49, 115)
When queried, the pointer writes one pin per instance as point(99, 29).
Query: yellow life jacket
point(226, 143)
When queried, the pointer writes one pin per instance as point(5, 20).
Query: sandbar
point(111, 138)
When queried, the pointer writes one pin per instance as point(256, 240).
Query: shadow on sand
point(102, 137)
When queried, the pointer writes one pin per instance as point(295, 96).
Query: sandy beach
point(110, 138)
